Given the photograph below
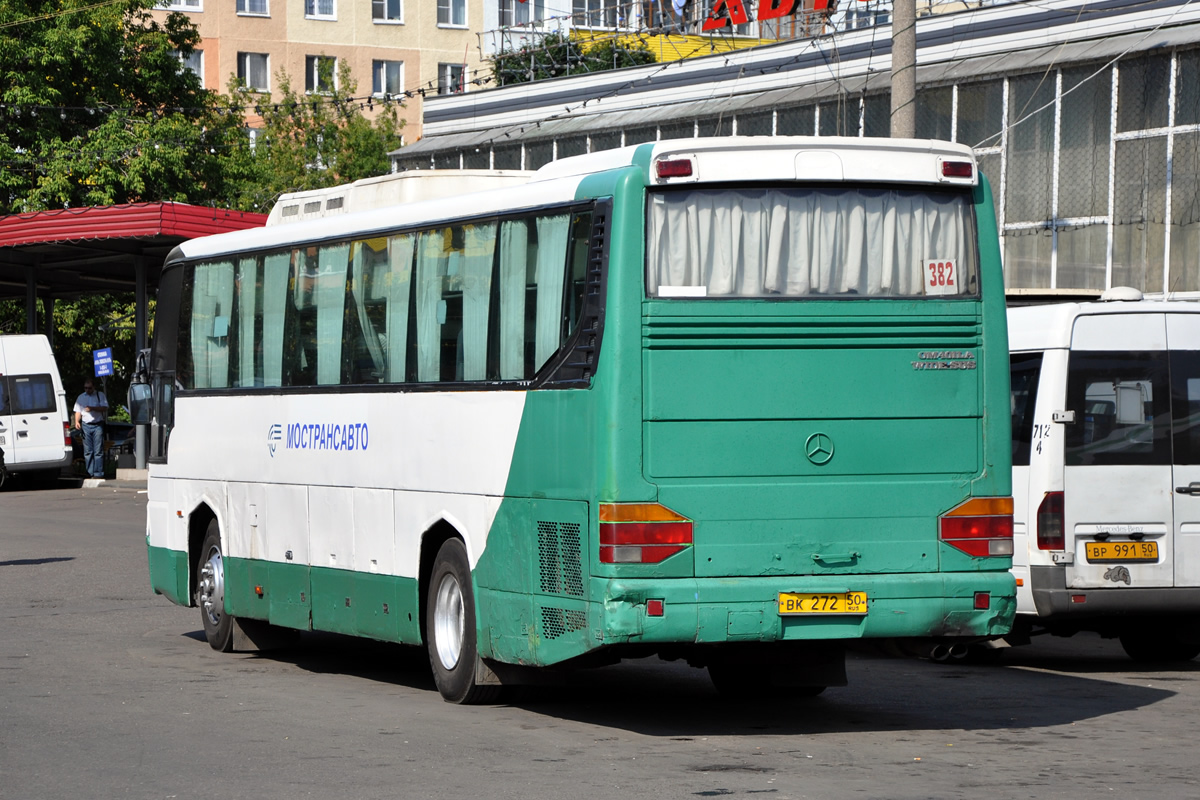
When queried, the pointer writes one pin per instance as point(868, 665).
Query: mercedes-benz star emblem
point(819, 448)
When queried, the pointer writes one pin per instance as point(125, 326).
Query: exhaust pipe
point(959, 651)
point(939, 653)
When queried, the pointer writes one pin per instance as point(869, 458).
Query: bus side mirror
point(141, 367)
point(139, 403)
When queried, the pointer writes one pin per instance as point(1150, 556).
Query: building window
point(181, 5)
point(387, 11)
point(254, 71)
point(594, 13)
point(253, 7)
point(521, 12)
point(452, 78)
point(387, 77)
point(195, 63)
point(320, 9)
point(320, 74)
point(452, 12)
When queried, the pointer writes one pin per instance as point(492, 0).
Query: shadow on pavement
point(1035, 687)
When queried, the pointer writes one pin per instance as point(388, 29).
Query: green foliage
point(314, 141)
point(557, 55)
point(97, 109)
point(128, 123)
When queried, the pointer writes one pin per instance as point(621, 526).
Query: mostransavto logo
point(274, 435)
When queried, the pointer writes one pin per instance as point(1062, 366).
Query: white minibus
point(1106, 471)
point(35, 435)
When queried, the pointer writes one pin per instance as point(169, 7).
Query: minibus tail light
point(1050, 535)
point(66, 434)
point(982, 526)
point(673, 168)
point(641, 533)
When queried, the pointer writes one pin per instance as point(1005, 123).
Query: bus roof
point(729, 159)
point(390, 190)
point(760, 158)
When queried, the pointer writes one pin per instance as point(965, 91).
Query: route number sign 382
point(941, 277)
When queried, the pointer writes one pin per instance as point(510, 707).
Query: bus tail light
point(641, 533)
point(958, 169)
point(982, 526)
point(673, 168)
point(1050, 535)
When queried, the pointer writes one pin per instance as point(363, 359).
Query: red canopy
point(83, 250)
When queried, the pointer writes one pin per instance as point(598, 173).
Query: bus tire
point(210, 591)
point(1155, 643)
point(450, 627)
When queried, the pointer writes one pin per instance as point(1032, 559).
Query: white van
point(1106, 472)
point(35, 432)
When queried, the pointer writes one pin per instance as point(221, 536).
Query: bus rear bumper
point(727, 610)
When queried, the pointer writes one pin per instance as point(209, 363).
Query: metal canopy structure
point(53, 254)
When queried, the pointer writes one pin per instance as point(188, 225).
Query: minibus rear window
point(31, 394)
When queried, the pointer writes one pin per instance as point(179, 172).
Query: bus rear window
point(843, 242)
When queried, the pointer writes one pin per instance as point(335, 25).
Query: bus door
point(1183, 336)
point(1118, 499)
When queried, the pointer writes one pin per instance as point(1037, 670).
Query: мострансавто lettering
point(352, 436)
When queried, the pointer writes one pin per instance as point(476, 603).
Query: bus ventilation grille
point(560, 568)
point(559, 621)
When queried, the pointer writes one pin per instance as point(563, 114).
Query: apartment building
point(393, 47)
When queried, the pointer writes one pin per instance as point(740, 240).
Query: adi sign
point(733, 12)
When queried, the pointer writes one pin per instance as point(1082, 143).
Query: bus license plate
point(1120, 552)
point(815, 603)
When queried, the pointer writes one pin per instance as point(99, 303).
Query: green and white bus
point(736, 401)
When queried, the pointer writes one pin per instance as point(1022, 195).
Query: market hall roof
point(997, 39)
point(69, 252)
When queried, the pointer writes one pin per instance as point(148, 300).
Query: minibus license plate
point(820, 603)
point(1120, 552)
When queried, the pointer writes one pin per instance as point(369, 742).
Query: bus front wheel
point(450, 628)
point(210, 591)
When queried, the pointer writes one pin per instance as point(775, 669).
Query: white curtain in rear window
point(804, 242)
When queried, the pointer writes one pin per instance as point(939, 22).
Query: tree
point(98, 109)
point(558, 54)
point(316, 140)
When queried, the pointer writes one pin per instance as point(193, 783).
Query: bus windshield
point(844, 241)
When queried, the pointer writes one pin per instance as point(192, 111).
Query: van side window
point(1025, 370)
point(1185, 405)
point(1122, 408)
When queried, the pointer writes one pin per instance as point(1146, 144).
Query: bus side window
point(207, 326)
point(1025, 369)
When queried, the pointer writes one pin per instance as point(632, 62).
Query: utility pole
point(904, 69)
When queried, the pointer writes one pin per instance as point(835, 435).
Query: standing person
point(91, 409)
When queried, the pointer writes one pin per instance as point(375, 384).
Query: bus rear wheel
point(450, 628)
point(210, 592)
